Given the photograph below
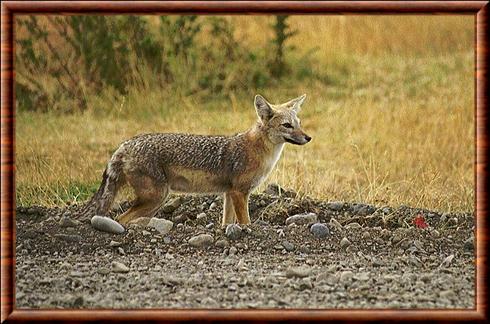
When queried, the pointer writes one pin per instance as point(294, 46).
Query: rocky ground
point(360, 256)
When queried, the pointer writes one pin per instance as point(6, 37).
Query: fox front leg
point(229, 215)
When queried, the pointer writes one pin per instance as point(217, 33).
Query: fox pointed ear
point(263, 108)
point(298, 102)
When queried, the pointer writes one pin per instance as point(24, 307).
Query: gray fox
point(154, 164)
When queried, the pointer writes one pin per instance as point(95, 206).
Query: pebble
point(114, 244)
point(106, 224)
point(366, 235)
point(353, 225)
point(336, 206)
point(298, 272)
point(233, 251)
point(469, 244)
point(119, 267)
point(201, 240)
point(161, 225)
point(447, 261)
point(172, 205)
point(346, 276)
point(288, 246)
point(180, 227)
point(221, 243)
point(146, 233)
point(201, 217)
point(210, 225)
point(233, 232)
point(68, 222)
point(320, 230)
point(302, 219)
point(213, 206)
point(180, 219)
point(335, 223)
point(344, 242)
point(385, 233)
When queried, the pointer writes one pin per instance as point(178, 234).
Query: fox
point(155, 164)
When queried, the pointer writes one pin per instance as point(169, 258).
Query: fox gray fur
point(155, 164)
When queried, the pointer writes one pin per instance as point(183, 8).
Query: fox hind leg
point(229, 215)
point(150, 196)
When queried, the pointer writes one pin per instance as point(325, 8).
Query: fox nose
point(307, 138)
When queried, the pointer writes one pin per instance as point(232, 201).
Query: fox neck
point(271, 152)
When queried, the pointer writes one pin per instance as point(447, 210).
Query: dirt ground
point(372, 257)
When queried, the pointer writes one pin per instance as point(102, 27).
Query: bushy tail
point(102, 200)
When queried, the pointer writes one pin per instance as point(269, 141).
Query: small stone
point(385, 233)
point(167, 240)
point(213, 206)
point(161, 225)
point(106, 224)
point(447, 261)
point(305, 283)
point(68, 222)
point(336, 206)
point(449, 294)
point(444, 217)
point(335, 223)
point(201, 217)
point(141, 221)
point(304, 249)
point(320, 230)
point(298, 272)
point(120, 250)
point(119, 267)
point(366, 235)
point(288, 246)
point(344, 242)
point(201, 240)
point(180, 227)
point(233, 232)
point(210, 226)
point(436, 233)
point(145, 233)
point(469, 244)
point(302, 219)
point(362, 276)
point(233, 251)
point(114, 244)
point(346, 276)
point(353, 225)
point(221, 243)
point(179, 219)
point(172, 205)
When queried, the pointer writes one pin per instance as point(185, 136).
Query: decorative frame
point(479, 9)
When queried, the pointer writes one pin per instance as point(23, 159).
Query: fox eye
point(287, 125)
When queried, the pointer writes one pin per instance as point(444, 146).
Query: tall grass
point(391, 117)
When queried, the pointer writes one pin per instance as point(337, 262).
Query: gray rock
point(161, 225)
point(469, 244)
point(210, 225)
point(336, 205)
point(119, 267)
point(201, 240)
point(180, 219)
point(172, 205)
point(447, 261)
point(344, 242)
point(320, 230)
point(366, 235)
point(298, 272)
point(302, 219)
point(288, 246)
point(106, 224)
point(346, 276)
point(221, 243)
point(233, 232)
point(68, 222)
point(233, 251)
point(213, 206)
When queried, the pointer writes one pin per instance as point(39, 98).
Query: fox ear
point(263, 108)
point(296, 103)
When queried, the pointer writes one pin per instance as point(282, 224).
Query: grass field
point(393, 125)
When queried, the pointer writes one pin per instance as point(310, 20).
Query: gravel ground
point(365, 257)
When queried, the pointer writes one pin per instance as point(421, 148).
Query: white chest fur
point(269, 164)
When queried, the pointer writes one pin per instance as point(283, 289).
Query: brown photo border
point(479, 9)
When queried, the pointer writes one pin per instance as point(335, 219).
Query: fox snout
point(298, 139)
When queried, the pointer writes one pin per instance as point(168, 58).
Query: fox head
point(280, 122)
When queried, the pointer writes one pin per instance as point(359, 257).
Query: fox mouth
point(292, 141)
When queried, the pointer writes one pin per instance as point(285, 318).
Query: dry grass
point(390, 129)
